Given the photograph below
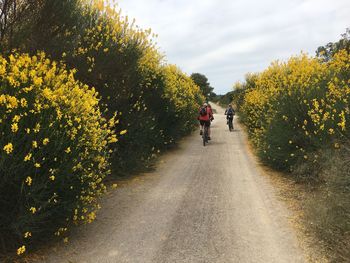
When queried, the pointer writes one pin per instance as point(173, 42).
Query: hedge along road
point(201, 204)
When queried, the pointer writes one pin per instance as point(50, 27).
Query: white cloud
point(226, 39)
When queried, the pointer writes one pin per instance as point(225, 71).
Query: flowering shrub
point(297, 115)
point(126, 68)
point(184, 100)
point(297, 107)
point(56, 142)
point(120, 60)
point(53, 150)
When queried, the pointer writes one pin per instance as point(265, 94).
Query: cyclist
point(205, 116)
point(230, 113)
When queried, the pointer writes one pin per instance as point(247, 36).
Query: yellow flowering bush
point(123, 63)
point(184, 100)
point(296, 107)
point(53, 150)
point(330, 114)
point(54, 139)
point(119, 59)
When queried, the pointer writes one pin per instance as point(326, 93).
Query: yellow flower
point(37, 128)
point(342, 124)
point(28, 181)
point(12, 102)
point(37, 165)
point(46, 141)
point(112, 140)
point(27, 234)
point(123, 132)
point(91, 217)
point(35, 144)
point(14, 127)
point(8, 148)
point(16, 118)
point(28, 157)
point(52, 177)
point(37, 81)
point(24, 103)
point(33, 210)
point(114, 186)
point(67, 150)
point(21, 250)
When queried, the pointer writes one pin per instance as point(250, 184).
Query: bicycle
point(205, 135)
point(230, 124)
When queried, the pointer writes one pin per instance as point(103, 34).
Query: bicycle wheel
point(205, 135)
point(230, 126)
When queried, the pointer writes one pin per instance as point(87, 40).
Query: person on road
point(230, 113)
point(205, 116)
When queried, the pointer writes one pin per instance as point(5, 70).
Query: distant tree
point(214, 97)
point(225, 99)
point(236, 96)
point(327, 52)
point(202, 81)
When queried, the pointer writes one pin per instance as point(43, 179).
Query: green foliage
point(237, 95)
point(202, 82)
point(49, 25)
point(224, 100)
point(327, 52)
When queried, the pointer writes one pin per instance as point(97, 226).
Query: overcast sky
point(225, 39)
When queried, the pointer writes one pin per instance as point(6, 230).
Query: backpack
point(230, 112)
point(203, 111)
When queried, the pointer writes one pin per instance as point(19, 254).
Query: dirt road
point(202, 204)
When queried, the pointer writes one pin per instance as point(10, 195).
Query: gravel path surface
point(201, 204)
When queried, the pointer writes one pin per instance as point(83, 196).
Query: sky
point(225, 39)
